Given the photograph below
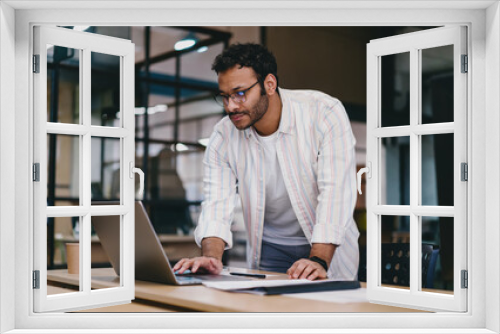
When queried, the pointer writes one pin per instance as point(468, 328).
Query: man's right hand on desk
point(211, 261)
point(201, 264)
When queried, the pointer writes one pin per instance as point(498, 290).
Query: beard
point(255, 113)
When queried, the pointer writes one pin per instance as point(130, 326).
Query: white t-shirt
point(281, 225)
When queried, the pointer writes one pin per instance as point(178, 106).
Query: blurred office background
point(175, 113)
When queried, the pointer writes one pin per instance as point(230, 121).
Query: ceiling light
point(181, 147)
point(204, 141)
point(151, 110)
point(139, 110)
point(160, 108)
point(202, 49)
point(185, 43)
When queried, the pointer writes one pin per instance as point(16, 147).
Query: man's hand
point(201, 264)
point(210, 263)
point(305, 268)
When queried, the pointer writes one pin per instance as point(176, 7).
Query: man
point(289, 154)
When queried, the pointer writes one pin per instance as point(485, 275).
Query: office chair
point(396, 264)
point(429, 283)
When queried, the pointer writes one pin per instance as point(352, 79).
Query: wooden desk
point(199, 298)
point(136, 306)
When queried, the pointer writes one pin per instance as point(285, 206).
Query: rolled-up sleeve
point(219, 182)
point(336, 177)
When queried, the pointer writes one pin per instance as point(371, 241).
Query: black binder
point(306, 287)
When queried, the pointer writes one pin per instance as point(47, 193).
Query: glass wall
point(174, 113)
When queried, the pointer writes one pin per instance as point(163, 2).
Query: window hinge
point(36, 172)
point(36, 63)
point(465, 172)
point(36, 279)
point(465, 64)
point(465, 279)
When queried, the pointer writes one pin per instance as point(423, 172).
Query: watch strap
point(320, 261)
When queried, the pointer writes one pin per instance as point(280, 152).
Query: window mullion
point(460, 155)
point(86, 121)
point(414, 169)
point(40, 155)
point(85, 254)
point(127, 182)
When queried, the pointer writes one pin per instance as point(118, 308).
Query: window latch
point(368, 171)
point(133, 170)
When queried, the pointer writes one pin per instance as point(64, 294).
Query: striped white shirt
point(316, 155)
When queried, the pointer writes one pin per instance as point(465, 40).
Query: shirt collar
point(287, 122)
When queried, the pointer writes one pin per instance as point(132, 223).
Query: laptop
point(151, 262)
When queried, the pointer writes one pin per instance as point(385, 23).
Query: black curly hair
point(255, 56)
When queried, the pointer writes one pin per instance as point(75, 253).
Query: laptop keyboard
point(212, 278)
point(187, 278)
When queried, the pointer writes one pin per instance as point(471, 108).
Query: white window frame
point(85, 43)
point(413, 44)
point(483, 124)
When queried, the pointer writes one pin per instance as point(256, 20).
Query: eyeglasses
point(238, 97)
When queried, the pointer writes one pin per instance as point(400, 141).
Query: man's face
point(243, 114)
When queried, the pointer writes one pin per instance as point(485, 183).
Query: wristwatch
point(320, 261)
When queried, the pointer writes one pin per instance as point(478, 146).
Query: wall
point(321, 17)
point(7, 187)
point(319, 60)
point(492, 162)
point(242, 34)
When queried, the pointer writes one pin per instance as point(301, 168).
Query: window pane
point(105, 251)
point(198, 112)
point(395, 246)
point(395, 171)
point(63, 253)
point(105, 77)
point(63, 170)
point(63, 84)
point(198, 118)
point(164, 69)
point(395, 76)
point(191, 175)
point(161, 115)
point(105, 167)
point(437, 85)
point(437, 170)
point(190, 63)
point(437, 254)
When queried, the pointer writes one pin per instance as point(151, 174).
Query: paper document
point(242, 285)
